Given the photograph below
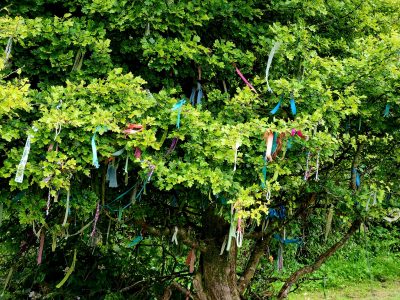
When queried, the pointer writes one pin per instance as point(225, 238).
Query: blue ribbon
point(192, 95)
point(276, 108)
point(293, 106)
point(297, 241)
point(387, 110)
point(178, 107)
point(277, 213)
point(358, 179)
point(199, 93)
point(135, 241)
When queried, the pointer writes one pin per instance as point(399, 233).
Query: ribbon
point(133, 128)
point(270, 56)
point(264, 173)
point(66, 209)
point(135, 241)
point(269, 137)
point(239, 234)
point(199, 93)
point(112, 174)
point(19, 176)
point(285, 241)
point(245, 80)
point(48, 203)
point(190, 260)
point(69, 272)
point(96, 218)
point(94, 149)
point(289, 143)
point(40, 252)
point(173, 145)
point(317, 168)
point(232, 234)
point(276, 108)
point(152, 168)
point(387, 110)
point(178, 107)
point(293, 106)
point(298, 133)
point(237, 145)
point(276, 213)
point(138, 152)
point(8, 49)
point(174, 236)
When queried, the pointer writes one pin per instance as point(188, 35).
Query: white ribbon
point(19, 176)
point(271, 55)
point(174, 236)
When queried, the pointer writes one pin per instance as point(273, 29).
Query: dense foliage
point(81, 80)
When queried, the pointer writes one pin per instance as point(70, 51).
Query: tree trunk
point(216, 278)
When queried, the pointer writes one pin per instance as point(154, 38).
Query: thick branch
point(317, 264)
point(251, 268)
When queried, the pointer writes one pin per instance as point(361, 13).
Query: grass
point(367, 290)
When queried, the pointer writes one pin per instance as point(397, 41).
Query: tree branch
point(319, 261)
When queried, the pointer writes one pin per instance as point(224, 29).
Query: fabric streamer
point(276, 108)
point(196, 100)
point(152, 168)
point(178, 107)
point(293, 105)
point(66, 210)
point(112, 174)
point(94, 150)
point(264, 173)
point(173, 146)
point(245, 80)
point(133, 128)
point(285, 241)
point(138, 152)
point(239, 234)
point(190, 260)
point(270, 56)
point(8, 49)
point(69, 272)
point(48, 203)
point(96, 218)
point(40, 252)
point(174, 236)
point(7, 280)
point(19, 176)
point(269, 138)
point(136, 241)
point(358, 179)
point(289, 143)
point(387, 110)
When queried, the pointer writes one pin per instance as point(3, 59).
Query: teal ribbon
point(135, 241)
point(276, 108)
point(293, 106)
point(94, 148)
point(264, 173)
point(387, 110)
point(178, 107)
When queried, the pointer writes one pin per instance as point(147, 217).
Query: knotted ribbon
point(178, 107)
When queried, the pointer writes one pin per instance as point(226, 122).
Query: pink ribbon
point(245, 80)
point(138, 152)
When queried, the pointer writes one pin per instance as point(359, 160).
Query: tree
point(141, 128)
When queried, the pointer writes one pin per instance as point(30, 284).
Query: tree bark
point(317, 264)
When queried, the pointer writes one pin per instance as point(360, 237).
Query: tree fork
point(317, 264)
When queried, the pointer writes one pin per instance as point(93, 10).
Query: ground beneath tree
point(369, 291)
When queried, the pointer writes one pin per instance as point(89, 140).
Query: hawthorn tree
point(136, 155)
